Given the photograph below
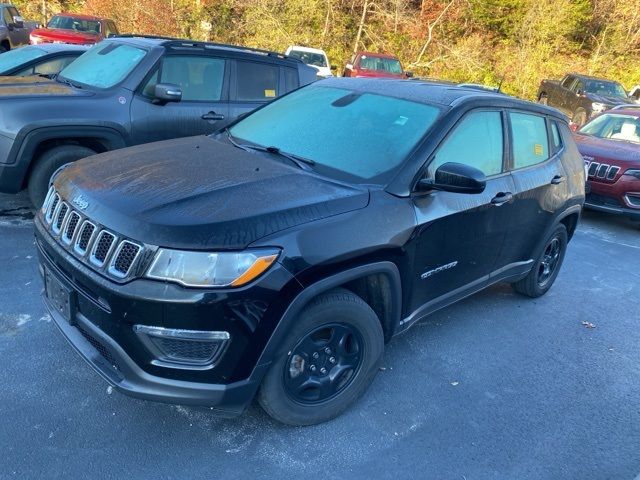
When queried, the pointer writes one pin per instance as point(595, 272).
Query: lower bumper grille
point(102, 350)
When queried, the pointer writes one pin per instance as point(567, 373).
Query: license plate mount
point(60, 297)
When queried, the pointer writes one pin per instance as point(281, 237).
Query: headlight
point(633, 173)
point(209, 269)
point(34, 40)
point(598, 107)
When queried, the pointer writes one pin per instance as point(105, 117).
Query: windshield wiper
point(301, 162)
point(60, 79)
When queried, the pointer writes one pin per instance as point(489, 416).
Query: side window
point(7, 16)
point(476, 141)
point(110, 29)
point(201, 78)
point(257, 81)
point(530, 140)
point(291, 81)
point(578, 87)
point(555, 137)
point(52, 66)
point(13, 13)
point(566, 83)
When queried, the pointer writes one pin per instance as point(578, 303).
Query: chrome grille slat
point(98, 247)
point(613, 171)
point(601, 170)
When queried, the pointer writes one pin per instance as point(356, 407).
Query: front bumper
point(621, 197)
point(100, 327)
point(610, 205)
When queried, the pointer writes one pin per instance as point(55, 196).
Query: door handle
point(557, 180)
point(501, 198)
point(212, 116)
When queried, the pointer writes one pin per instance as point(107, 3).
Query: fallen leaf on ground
point(454, 383)
point(588, 324)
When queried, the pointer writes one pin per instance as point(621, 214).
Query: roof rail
point(238, 48)
point(626, 106)
point(141, 35)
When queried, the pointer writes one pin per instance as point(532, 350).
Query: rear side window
point(257, 81)
point(555, 137)
point(50, 67)
point(290, 79)
point(476, 141)
point(530, 141)
point(566, 83)
point(8, 19)
point(201, 78)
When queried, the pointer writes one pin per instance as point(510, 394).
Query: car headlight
point(210, 269)
point(598, 107)
point(633, 173)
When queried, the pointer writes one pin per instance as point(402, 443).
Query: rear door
point(539, 179)
point(254, 83)
point(204, 104)
point(460, 236)
point(562, 92)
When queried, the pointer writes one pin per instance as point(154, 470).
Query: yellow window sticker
point(269, 93)
point(537, 149)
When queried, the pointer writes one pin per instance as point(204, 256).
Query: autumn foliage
point(510, 42)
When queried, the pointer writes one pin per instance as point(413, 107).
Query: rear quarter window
point(530, 140)
point(257, 82)
point(291, 81)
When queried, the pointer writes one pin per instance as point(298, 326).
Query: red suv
point(74, 29)
point(377, 65)
point(610, 146)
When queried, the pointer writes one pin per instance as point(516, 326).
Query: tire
point(3, 49)
point(579, 118)
point(537, 283)
point(543, 99)
point(46, 165)
point(318, 326)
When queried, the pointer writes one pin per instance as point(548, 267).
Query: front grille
point(102, 350)
point(188, 349)
point(95, 246)
point(600, 171)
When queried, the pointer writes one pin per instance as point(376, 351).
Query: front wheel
point(47, 164)
point(579, 118)
point(547, 265)
point(543, 99)
point(328, 360)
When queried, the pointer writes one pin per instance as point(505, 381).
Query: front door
point(460, 236)
point(204, 103)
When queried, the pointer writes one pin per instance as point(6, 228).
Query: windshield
point(315, 59)
point(607, 89)
point(389, 65)
point(19, 56)
point(614, 127)
point(104, 65)
point(359, 136)
point(76, 24)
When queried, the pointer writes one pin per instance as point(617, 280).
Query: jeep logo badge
point(80, 202)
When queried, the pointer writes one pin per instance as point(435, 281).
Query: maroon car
point(75, 29)
point(610, 146)
point(377, 65)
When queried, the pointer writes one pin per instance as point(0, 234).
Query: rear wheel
point(547, 266)
point(47, 164)
point(328, 360)
point(3, 48)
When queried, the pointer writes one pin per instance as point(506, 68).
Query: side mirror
point(409, 74)
point(167, 92)
point(456, 178)
point(18, 21)
point(349, 66)
point(333, 67)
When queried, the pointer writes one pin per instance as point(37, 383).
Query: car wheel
point(3, 49)
point(543, 100)
point(327, 360)
point(546, 267)
point(579, 118)
point(47, 164)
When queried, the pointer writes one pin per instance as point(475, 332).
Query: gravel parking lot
point(496, 387)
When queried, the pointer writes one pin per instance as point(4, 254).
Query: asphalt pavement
point(496, 387)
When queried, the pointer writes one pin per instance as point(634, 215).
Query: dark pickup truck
point(581, 97)
point(131, 90)
point(14, 31)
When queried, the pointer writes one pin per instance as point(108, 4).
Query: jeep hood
point(34, 86)
point(624, 154)
point(66, 36)
point(199, 193)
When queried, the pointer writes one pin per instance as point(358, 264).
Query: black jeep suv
point(128, 91)
point(278, 255)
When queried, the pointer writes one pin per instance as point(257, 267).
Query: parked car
point(314, 57)
point(270, 259)
point(43, 60)
point(14, 31)
point(610, 146)
point(581, 97)
point(74, 28)
point(634, 94)
point(377, 65)
point(126, 91)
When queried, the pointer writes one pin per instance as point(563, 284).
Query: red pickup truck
point(75, 29)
